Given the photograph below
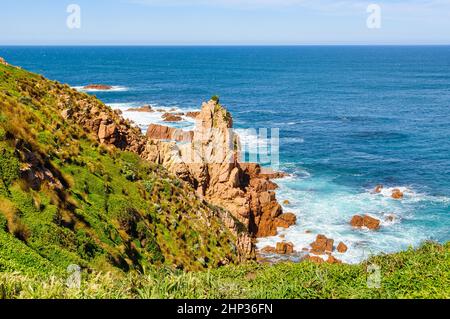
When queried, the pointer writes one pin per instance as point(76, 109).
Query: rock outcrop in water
point(100, 87)
point(365, 221)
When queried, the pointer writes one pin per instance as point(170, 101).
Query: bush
point(9, 167)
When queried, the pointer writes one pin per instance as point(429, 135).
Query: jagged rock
point(161, 132)
point(397, 194)
point(101, 87)
point(365, 221)
point(286, 202)
point(342, 248)
point(286, 220)
point(284, 248)
point(3, 62)
point(321, 245)
point(193, 115)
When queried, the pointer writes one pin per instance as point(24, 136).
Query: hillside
point(70, 196)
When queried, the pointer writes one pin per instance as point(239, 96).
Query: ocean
point(350, 118)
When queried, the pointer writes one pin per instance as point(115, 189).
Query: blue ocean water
point(350, 117)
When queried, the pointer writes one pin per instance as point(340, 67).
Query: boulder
point(321, 245)
point(357, 221)
point(286, 202)
point(342, 248)
point(371, 223)
point(161, 132)
point(397, 194)
point(284, 248)
point(365, 221)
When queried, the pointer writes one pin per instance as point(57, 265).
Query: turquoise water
point(349, 118)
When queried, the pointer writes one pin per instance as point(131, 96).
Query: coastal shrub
point(9, 167)
point(215, 98)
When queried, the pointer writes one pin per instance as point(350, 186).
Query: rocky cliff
point(210, 163)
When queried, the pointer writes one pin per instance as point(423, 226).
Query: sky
point(224, 22)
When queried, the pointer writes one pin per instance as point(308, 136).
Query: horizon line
point(218, 45)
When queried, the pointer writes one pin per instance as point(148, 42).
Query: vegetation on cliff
point(66, 199)
point(422, 273)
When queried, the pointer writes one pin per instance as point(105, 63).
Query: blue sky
point(163, 22)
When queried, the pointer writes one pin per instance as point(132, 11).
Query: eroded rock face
point(210, 164)
point(2, 61)
point(161, 132)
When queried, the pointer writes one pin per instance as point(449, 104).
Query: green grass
point(422, 273)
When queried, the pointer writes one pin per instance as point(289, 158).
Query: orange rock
point(371, 223)
point(378, 189)
point(342, 248)
point(284, 248)
point(332, 260)
point(357, 221)
point(322, 245)
point(286, 202)
point(286, 220)
point(397, 194)
point(365, 221)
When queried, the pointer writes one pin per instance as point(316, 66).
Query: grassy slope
point(117, 214)
point(422, 273)
point(111, 210)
